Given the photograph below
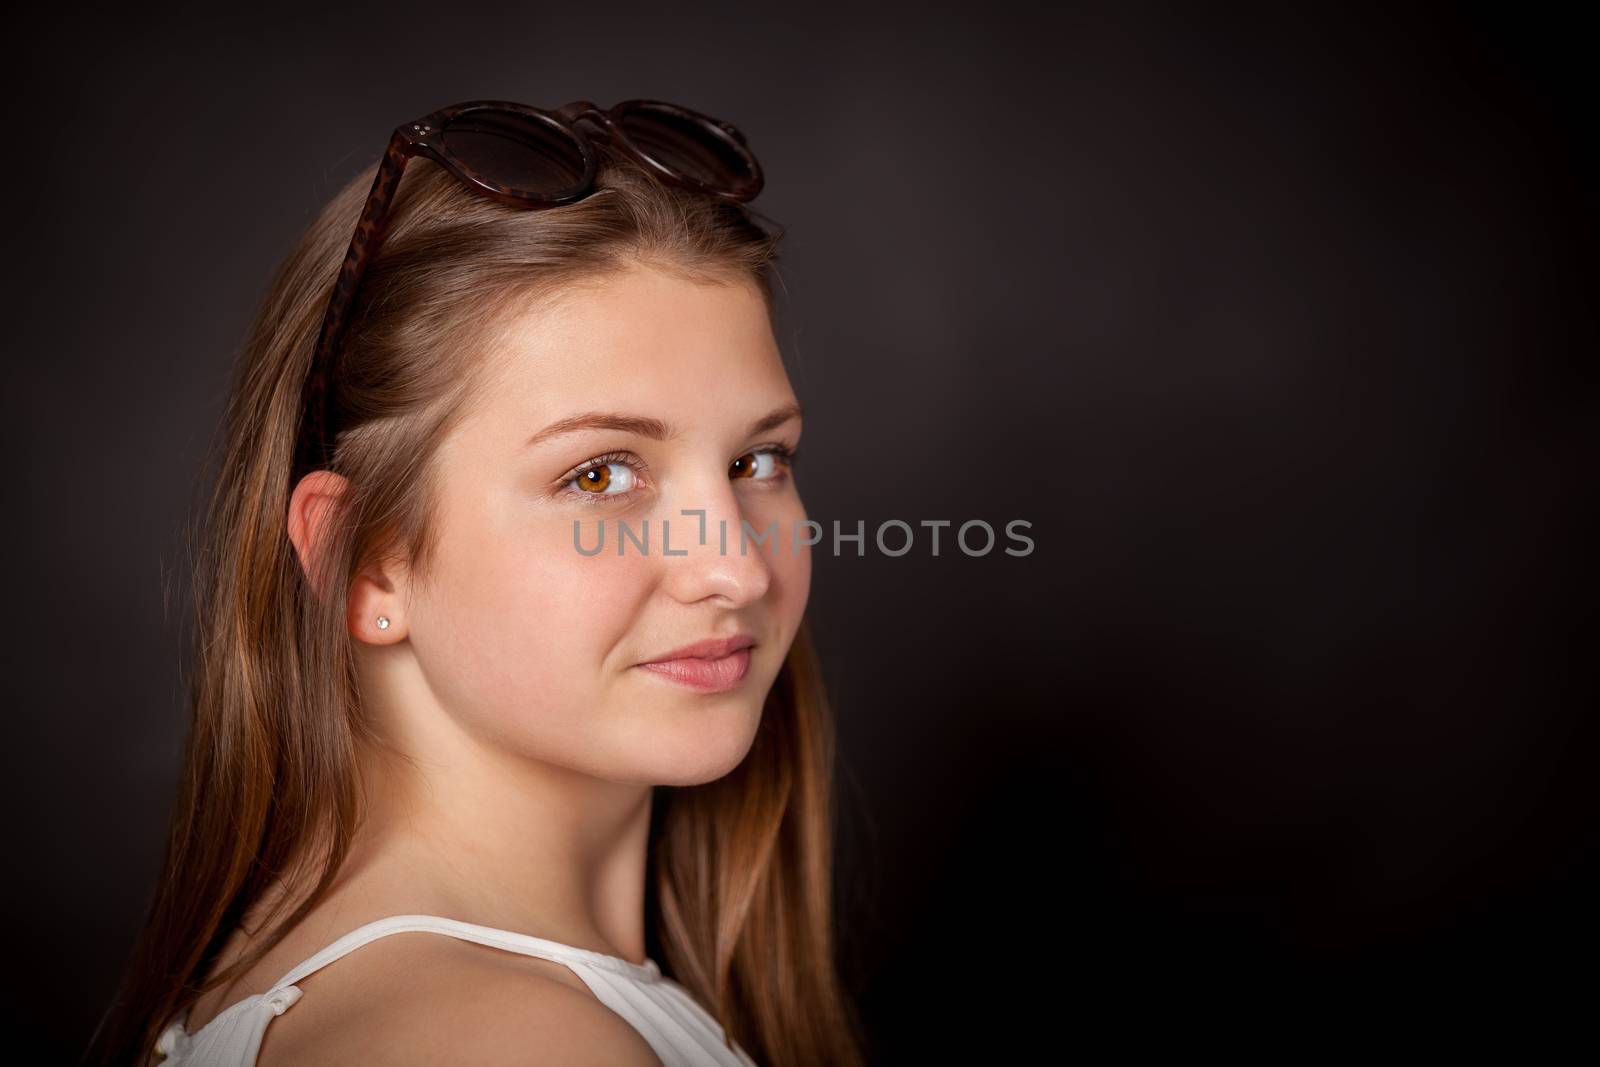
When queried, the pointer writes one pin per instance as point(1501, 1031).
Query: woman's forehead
point(639, 321)
point(645, 343)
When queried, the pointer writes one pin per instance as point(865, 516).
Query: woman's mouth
point(704, 675)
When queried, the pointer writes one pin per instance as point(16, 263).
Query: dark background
point(1275, 325)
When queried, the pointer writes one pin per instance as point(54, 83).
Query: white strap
point(526, 944)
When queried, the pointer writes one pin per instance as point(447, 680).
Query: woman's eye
point(605, 479)
point(760, 465)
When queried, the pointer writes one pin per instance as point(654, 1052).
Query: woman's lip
point(709, 648)
point(703, 675)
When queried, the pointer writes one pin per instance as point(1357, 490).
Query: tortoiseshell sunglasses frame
point(425, 137)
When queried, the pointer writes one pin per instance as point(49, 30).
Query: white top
point(682, 1033)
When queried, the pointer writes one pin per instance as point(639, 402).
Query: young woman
point(424, 705)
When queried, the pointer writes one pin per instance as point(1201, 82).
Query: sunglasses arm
point(364, 244)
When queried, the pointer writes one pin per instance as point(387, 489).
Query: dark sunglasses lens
point(686, 145)
point(516, 150)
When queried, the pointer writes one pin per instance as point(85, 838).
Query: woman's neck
point(512, 843)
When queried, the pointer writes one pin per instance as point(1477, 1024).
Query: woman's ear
point(374, 609)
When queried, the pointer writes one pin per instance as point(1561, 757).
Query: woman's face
point(530, 644)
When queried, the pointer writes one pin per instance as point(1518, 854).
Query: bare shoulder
point(424, 999)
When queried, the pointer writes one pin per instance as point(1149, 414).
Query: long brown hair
point(739, 898)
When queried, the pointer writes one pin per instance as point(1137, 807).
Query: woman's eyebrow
point(644, 425)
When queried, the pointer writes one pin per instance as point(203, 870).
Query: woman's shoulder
point(418, 998)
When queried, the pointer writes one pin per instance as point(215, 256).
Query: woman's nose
point(710, 547)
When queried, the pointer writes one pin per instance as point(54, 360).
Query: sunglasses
point(523, 157)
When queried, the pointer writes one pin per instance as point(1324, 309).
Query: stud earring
point(383, 622)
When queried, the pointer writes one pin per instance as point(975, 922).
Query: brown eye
point(613, 478)
point(761, 465)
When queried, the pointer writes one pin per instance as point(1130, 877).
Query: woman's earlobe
point(372, 604)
